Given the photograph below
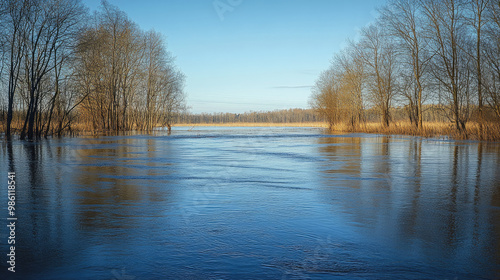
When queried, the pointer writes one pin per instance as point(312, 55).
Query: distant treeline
point(62, 68)
point(278, 116)
point(419, 54)
point(431, 113)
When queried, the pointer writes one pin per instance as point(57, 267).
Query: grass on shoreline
point(249, 124)
point(490, 132)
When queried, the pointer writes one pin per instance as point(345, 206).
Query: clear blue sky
point(250, 55)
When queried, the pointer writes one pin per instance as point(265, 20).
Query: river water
point(252, 203)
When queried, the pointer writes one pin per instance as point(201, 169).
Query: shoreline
point(246, 124)
point(490, 132)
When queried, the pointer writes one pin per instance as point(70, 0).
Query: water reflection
point(344, 155)
point(254, 206)
point(116, 175)
point(414, 170)
point(74, 192)
point(430, 205)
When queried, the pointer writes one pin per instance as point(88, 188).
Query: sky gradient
point(250, 55)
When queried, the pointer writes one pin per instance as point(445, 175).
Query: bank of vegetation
point(419, 56)
point(435, 123)
point(64, 69)
point(278, 116)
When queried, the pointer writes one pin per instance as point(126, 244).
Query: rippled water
point(253, 203)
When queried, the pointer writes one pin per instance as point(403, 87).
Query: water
point(253, 203)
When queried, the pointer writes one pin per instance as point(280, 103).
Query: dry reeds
point(251, 124)
point(489, 132)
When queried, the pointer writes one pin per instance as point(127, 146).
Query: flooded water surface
point(253, 203)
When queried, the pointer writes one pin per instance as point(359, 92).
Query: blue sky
point(250, 55)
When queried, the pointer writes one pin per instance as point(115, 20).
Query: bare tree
point(104, 72)
point(108, 60)
point(325, 97)
point(49, 24)
point(119, 34)
point(15, 28)
point(90, 77)
point(450, 64)
point(351, 78)
point(491, 77)
point(377, 52)
point(447, 52)
point(404, 21)
point(68, 25)
point(477, 20)
point(155, 61)
point(172, 101)
point(127, 75)
point(337, 95)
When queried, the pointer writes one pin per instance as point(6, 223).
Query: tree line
point(62, 67)
point(277, 116)
point(431, 113)
point(444, 54)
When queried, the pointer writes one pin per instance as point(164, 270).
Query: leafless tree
point(476, 19)
point(65, 66)
point(446, 52)
point(69, 26)
point(451, 66)
point(48, 25)
point(352, 73)
point(337, 95)
point(377, 52)
point(14, 24)
point(126, 75)
point(403, 19)
point(325, 97)
point(491, 77)
point(107, 69)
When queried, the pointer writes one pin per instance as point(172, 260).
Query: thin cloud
point(292, 87)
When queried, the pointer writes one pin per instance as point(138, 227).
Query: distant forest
point(278, 116)
point(431, 114)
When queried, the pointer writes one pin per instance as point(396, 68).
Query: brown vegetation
point(67, 69)
point(489, 131)
point(277, 116)
point(258, 124)
point(419, 55)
